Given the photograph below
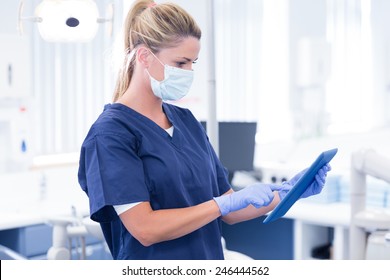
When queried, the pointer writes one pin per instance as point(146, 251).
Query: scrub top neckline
point(175, 138)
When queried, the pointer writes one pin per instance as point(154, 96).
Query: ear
point(143, 56)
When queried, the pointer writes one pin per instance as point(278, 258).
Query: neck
point(146, 103)
point(139, 95)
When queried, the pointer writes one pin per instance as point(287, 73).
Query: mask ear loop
point(156, 57)
point(147, 71)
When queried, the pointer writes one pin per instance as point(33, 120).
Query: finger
point(257, 203)
point(321, 173)
point(269, 199)
point(320, 180)
point(262, 200)
point(275, 187)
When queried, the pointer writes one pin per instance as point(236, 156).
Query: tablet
point(303, 183)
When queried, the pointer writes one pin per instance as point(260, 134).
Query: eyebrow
point(188, 59)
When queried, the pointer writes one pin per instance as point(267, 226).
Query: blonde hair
point(157, 26)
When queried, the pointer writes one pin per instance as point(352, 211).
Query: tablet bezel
point(301, 185)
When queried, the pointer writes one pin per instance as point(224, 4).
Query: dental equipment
point(365, 162)
point(64, 229)
point(67, 228)
point(67, 20)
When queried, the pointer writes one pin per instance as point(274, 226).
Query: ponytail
point(127, 69)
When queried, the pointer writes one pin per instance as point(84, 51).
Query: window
point(350, 89)
point(256, 49)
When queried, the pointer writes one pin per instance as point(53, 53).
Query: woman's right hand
point(258, 195)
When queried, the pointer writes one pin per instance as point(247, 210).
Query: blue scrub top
point(127, 158)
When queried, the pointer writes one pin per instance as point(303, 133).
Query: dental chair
point(370, 229)
point(8, 254)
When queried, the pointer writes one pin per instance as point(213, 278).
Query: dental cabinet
point(16, 103)
point(317, 225)
point(305, 227)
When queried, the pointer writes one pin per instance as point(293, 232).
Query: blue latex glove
point(257, 195)
point(315, 188)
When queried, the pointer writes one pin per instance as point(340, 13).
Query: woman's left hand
point(315, 188)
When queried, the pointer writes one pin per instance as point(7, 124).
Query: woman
point(153, 180)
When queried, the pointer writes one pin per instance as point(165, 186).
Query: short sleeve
point(111, 173)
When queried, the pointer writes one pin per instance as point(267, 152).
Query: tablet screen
point(300, 187)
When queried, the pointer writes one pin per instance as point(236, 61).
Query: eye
point(180, 64)
point(186, 63)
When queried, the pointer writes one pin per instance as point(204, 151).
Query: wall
point(8, 15)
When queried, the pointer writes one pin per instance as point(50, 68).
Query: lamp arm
point(21, 18)
point(109, 18)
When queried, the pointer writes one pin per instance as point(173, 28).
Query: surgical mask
point(176, 83)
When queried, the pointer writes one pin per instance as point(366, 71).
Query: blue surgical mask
point(176, 83)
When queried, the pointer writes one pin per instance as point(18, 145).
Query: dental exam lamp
point(67, 20)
